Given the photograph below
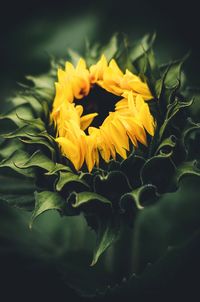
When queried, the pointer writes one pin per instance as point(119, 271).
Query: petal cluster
point(129, 122)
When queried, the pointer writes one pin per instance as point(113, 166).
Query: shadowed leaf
point(45, 201)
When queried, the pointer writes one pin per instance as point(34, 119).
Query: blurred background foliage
point(35, 263)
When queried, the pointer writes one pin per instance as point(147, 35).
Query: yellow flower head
point(80, 139)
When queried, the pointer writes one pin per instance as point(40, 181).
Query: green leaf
point(24, 131)
point(173, 73)
point(67, 178)
point(46, 109)
point(132, 167)
point(139, 197)
point(172, 111)
point(41, 141)
point(36, 123)
point(8, 147)
point(108, 231)
point(167, 145)
point(37, 159)
point(85, 198)
point(111, 48)
point(122, 56)
point(189, 168)
point(144, 62)
point(158, 171)
point(138, 50)
point(45, 201)
point(44, 85)
point(148, 69)
point(58, 167)
point(24, 98)
point(74, 57)
point(171, 81)
point(15, 160)
point(22, 111)
point(106, 185)
point(190, 138)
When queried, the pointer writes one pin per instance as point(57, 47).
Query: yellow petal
point(113, 65)
point(117, 141)
point(105, 134)
point(97, 70)
point(86, 120)
point(89, 156)
point(138, 130)
point(122, 137)
point(69, 68)
point(145, 116)
point(81, 65)
point(79, 109)
point(62, 76)
point(122, 104)
point(69, 150)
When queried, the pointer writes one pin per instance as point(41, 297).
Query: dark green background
point(30, 32)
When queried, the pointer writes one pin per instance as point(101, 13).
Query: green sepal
point(188, 168)
point(58, 167)
point(111, 48)
point(140, 47)
point(23, 97)
point(139, 198)
point(15, 160)
point(24, 111)
point(24, 131)
point(132, 167)
point(84, 199)
point(158, 171)
point(94, 52)
point(166, 146)
point(45, 201)
point(169, 83)
point(37, 159)
point(8, 147)
point(40, 141)
point(106, 185)
point(67, 178)
point(173, 72)
point(144, 62)
point(191, 139)
point(43, 85)
point(172, 111)
point(74, 56)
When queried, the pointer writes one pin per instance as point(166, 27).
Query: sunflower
point(104, 136)
point(79, 139)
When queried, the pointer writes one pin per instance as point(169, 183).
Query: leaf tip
point(30, 226)
point(94, 261)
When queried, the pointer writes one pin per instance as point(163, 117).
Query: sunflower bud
point(105, 136)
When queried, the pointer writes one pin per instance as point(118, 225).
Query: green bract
point(111, 196)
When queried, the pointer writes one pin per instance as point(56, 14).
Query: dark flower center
point(100, 101)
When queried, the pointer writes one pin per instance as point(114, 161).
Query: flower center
point(100, 101)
